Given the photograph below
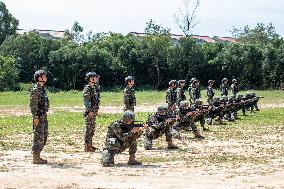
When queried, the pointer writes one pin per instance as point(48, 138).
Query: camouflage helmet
point(184, 103)
point(128, 115)
point(192, 79)
point(172, 82)
point(232, 97)
point(248, 95)
point(240, 96)
point(253, 94)
point(90, 74)
point(198, 102)
point(216, 99)
point(162, 108)
point(39, 73)
point(224, 79)
point(128, 78)
point(210, 81)
point(234, 80)
point(181, 81)
point(225, 98)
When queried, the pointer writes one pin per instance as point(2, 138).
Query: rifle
point(162, 118)
point(128, 127)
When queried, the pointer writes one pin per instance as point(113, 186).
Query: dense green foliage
point(257, 60)
point(8, 24)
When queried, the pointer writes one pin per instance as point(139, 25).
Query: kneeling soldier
point(185, 120)
point(39, 105)
point(120, 136)
point(158, 124)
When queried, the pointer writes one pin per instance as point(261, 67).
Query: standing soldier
point(119, 139)
point(224, 87)
point(210, 92)
point(171, 96)
point(190, 90)
point(158, 125)
point(180, 92)
point(195, 90)
point(91, 96)
point(234, 87)
point(39, 105)
point(129, 94)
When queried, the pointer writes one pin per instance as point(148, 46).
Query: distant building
point(225, 39)
point(52, 34)
point(200, 39)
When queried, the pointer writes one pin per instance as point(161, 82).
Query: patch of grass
point(256, 138)
point(74, 98)
point(4, 169)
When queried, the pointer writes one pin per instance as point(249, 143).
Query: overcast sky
point(217, 17)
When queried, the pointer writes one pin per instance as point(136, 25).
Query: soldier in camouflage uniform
point(224, 87)
point(91, 97)
point(119, 139)
point(234, 87)
point(185, 121)
point(195, 90)
point(180, 92)
point(129, 94)
point(39, 105)
point(171, 96)
point(157, 126)
point(200, 117)
point(210, 91)
point(189, 90)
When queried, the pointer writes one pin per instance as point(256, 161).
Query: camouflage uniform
point(39, 105)
point(183, 123)
point(91, 97)
point(155, 130)
point(180, 95)
point(210, 94)
point(234, 88)
point(118, 139)
point(171, 96)
point(224, 88)
point(195, 91)
point(129, 99)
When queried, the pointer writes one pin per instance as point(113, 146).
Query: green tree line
point(257, 60)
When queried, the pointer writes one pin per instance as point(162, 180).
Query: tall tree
point(8, 24)
point(186, 18)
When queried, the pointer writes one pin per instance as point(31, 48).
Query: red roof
point(227, 39)
point(204, 38)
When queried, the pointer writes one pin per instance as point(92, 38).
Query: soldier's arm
point(34, 100)
point(87, 100)
point(120, 135)
point(126, 97)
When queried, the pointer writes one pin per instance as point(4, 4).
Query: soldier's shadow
point(63, 165)
point(136, 166)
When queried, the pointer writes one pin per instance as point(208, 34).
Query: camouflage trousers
point(40, 134)
point(113, 146)
point(201, 119)
point(151, 134)
point(89, 128)
point(131, 108)
point(185, 124)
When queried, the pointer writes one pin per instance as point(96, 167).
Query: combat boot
point(37, 159)
point(133, 161)
point(197, 135)
point(171, 145)
point(89, 148)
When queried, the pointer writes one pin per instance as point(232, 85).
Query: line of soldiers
point(177, 114)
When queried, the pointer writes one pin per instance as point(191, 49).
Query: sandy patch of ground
point(23, 111)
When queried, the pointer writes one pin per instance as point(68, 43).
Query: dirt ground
point(21, 111)
point(72, 169)
point(83, 170)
